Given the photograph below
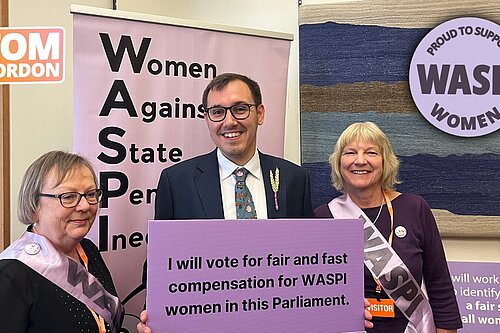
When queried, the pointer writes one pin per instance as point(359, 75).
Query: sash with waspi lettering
point(392, 273)
point(38, 253)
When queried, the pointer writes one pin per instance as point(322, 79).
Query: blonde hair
point(368, 132)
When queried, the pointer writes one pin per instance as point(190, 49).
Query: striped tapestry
point(354, 60)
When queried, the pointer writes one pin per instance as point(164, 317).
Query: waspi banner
point(137, 109)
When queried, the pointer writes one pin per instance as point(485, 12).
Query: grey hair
point(63, 163)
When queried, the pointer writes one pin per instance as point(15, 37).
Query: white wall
point(42, 115)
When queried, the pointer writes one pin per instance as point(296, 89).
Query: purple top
point(422, 251)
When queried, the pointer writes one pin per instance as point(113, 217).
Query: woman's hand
point(142, 327)
point(368, 315)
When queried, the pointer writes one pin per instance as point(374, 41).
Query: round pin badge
point(400, 231)
point(32, 248)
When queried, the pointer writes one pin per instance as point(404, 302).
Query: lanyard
point(415, 308)
point(98, 319)
point(378, 289)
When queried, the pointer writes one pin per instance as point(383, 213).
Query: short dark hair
point(222, 80)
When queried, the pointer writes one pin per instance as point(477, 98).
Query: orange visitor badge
point(382, 308)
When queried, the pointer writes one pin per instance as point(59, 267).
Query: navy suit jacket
point(191, 189)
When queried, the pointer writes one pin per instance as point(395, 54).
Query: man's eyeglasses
point(239, 112)
point(72, 199)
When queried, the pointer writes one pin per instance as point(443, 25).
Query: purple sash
point(392, 273)
point(38, 253)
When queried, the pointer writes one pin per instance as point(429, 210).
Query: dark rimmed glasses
point(239, 111)
point(72, 199)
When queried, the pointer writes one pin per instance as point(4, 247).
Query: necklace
point(379, 211)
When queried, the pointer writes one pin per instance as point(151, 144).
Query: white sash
point(38, 253)
point(385, 264)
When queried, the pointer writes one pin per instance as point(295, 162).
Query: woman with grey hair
point(52, 279)
point(403, 247)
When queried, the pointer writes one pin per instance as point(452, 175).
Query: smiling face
point(237, 139)
point(361, 167)
point(65, 227)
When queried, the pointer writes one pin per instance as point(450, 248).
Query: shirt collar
point(227, 167)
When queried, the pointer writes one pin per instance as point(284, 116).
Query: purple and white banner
point(137, 109)
point(259, 276)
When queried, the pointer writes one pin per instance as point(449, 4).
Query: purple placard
point(477, 286)
point(319, 288)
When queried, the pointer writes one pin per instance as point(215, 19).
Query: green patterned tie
point(245, 208)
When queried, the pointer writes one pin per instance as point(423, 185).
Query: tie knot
point(241, 174)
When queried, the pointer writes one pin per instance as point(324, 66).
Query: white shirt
point(254, 181)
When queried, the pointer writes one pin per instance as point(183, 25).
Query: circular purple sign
point(455, 77)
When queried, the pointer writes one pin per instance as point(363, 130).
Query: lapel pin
point(275, 185)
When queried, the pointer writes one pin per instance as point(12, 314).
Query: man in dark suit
point(191, 190)
point(203, 187)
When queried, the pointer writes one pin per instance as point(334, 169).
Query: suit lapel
point(267, 165)
point(207, 182)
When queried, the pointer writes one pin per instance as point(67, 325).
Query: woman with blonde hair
point(403, 247)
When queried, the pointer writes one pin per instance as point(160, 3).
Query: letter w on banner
point(137, 109)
